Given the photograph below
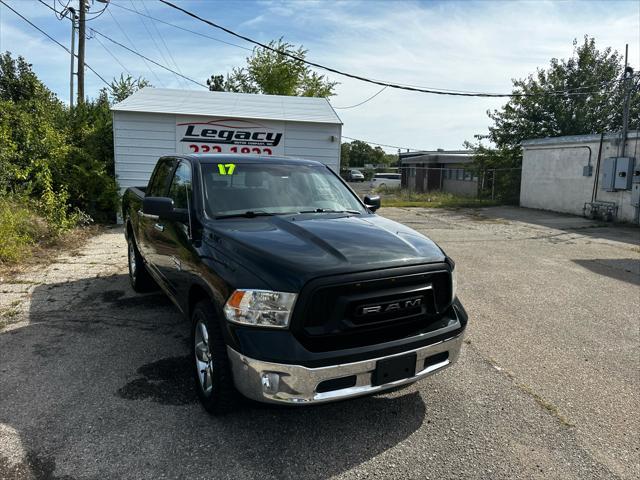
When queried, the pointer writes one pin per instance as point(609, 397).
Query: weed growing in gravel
point(396, 197)
point(20, 227)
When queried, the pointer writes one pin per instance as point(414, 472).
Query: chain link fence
point(498, 184)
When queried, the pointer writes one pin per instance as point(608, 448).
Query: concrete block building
point(583, 175)
point(440, 170)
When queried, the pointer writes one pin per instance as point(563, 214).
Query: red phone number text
point(218, 149)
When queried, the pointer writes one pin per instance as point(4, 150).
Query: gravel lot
point(94, 378)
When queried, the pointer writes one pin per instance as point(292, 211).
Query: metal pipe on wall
point(594, 193)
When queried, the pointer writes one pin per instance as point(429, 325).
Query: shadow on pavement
point(569, 223)
point(623, 269)
point(97, 385)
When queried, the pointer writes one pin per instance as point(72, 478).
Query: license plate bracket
point(393, 369)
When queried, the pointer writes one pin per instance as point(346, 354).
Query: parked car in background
point(385, 180)
point(355, 176)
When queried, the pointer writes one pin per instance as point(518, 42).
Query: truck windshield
point(235, 189)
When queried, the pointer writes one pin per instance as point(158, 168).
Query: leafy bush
point(60, 158)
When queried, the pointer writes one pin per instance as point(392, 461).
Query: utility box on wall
point(624, 173)
point(635, 195)
point(617, 173)
point(635, 187)
point(609, 174)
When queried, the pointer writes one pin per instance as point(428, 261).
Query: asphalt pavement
point(94, 379)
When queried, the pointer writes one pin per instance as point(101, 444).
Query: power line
point(113, 56)
point(383, 144)
point(52, 39)
point(147, 58)
point(364, 101)
point(144, 24)
point(64, 8)
point(153, 23)
point(121, 29)
point(365, 79)
point(129, 40)
point(97, 14)
point(183, 28)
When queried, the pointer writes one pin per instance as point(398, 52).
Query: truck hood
point(297, 248)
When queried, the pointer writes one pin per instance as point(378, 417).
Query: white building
point(583, 174)
point(156, 121)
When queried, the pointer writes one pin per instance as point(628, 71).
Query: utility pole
point(72, 15)
point(81, 40)
point(627, 75)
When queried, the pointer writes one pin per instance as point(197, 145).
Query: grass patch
point(27, 239)
point(396, 197)
point(20, 228)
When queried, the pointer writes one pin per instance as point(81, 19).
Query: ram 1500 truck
point(297, 292)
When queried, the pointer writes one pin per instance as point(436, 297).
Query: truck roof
point(240, 158)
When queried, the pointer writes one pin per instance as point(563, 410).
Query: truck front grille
point(365, 309)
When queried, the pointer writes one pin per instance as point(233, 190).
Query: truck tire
point(211, 369)
point(139, 277)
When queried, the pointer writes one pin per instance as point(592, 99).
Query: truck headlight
point(260, 308)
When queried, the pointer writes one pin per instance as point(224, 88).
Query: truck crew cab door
point(150, 232)
point(177, 256)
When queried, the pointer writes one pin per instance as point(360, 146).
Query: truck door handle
point(159, 227)
point(141, 214)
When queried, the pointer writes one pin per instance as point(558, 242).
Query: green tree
point(90, 165)
point(358, 154)
point(18, 82)
point(216, 83)
point(391, 159)
point(593, 104)
point(121, 88)
point(579, 95)
point(345, 155)
point(275, 73)
point(59, 158)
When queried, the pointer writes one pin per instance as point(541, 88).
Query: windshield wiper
point(247, 214)
point(322, 210)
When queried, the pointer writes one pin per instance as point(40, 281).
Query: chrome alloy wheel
point(204, 361)
point(132, 260)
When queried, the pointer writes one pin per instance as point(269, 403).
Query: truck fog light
point(270, 382)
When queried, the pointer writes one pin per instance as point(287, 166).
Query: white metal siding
point(139, 139)
point(313, 142)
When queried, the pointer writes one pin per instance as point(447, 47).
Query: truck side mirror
point(372, 202)
point(162, 207)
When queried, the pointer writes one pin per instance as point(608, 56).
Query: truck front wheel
point(139, 277)
point(212, 372)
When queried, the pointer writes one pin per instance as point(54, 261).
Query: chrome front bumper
point(295, 384)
